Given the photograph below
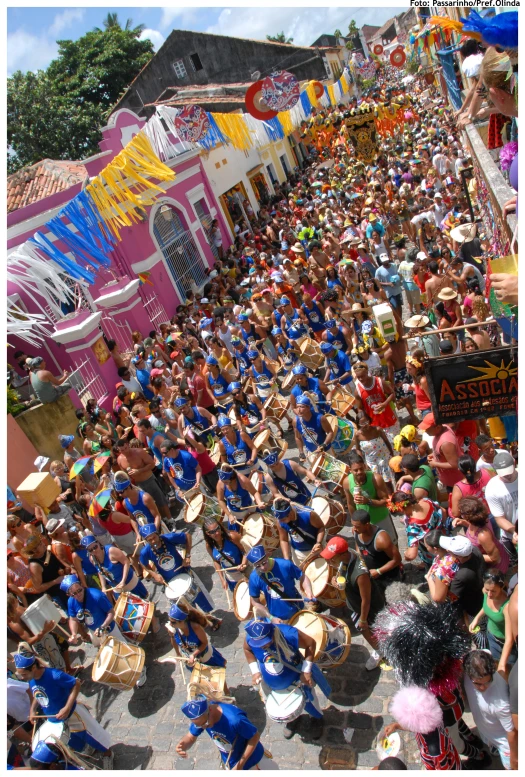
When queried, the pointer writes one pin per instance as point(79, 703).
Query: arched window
point(179, 249)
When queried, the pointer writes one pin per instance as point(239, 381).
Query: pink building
point(171, 243)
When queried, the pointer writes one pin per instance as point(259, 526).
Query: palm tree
point(111, 21)
point(338, 34)
point(279, 38)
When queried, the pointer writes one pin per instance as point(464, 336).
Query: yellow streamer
point(286, 122)
point(344, 83)
point(331, 93)
point(234, 127)
point(310, 91)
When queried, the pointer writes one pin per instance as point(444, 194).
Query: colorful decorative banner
point(192, 123)
point(280, 90)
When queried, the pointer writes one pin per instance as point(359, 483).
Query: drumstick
point(169, 659)
point(228, 569)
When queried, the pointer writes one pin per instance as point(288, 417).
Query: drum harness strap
point(224, 556)
point(277, 591)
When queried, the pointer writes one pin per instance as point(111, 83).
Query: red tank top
point(422, 400)
point(116, 529)
point(373, 396)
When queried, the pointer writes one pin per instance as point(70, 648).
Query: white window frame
point(179, 65)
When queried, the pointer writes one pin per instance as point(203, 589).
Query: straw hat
point(358, 308)
point(464, 233)
point(298, 248)
point(447, 294)
point(417, 321)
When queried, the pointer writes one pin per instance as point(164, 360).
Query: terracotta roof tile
point(36, 182)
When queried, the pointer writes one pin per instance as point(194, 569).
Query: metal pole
point(467, 193)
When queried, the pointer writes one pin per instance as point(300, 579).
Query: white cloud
point(29, 52)
point(181, 18)
point(64, 20)
point(156, 37)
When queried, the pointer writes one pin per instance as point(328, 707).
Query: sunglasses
point(214, 531)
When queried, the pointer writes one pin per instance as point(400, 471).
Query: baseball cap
point(459, 545)
point(427, 422)
point(335, 546)
point(504, 463)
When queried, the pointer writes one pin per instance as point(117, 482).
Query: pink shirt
point(449, 477)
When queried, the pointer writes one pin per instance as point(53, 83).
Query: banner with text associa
point(474, 385)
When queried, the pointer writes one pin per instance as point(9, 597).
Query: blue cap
point(236, 341)
point(180, 401)
point(23, 661)
point(205, 322)
point(331, 323)
point(302, 399)
point(284, 301)
point(211, 360)
point(65, 440)
point(225, 475)
point(253, 354)
point(188, 361)
point(326, 347)
point(255, 555)
point(136, 359)
point(177, 614)
point(281, 513)
point(259, 633)
point(271, 458)
point(67, 582)
point(242, 317)
point(195, 708)
point(43, 754)
point(277, 330)
point(223, 421)
point(89, 539)
point(147, 529)
point(121, 485)
point(299, 369)
point(235, 386)
point(294, 333)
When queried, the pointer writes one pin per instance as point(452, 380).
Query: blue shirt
point(167, 559)
point(311, 431)
point(339, 363)
point(52, 691)
point(143, 378)
point(302, 521)
point(274, 673)
point(140, 512)
point(231, 734)
point(183, 469)
point(375, 226)
point(283, 576)
point(315, 317)
point(291, 486)
point(390, 275)
point(313, 386)
point(92, 611)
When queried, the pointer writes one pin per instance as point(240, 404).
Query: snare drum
point(330, 470)
point(200, 507)
point(133, 616)
point(320, 573)
point(50, 733)
point(118, 664)
point(41, 611)
point(311, 355)
point(341, 401)
point(266, 439)
point(242, 606)
point(288, 383)
point(344, 433)
point(332, 637)
point(260, 530)
point(286, 705)
point(182, 586)
point(209, 680)
point(331, 512)
point(276, 406)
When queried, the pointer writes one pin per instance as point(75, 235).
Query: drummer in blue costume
point(235, 736)
point(263, 375)
point(183, 469)
point(217, 381)
point(236, 448)
point(253, 335)
point(113, 567)
point(338, 336)
point(193, 419)
point(56, 693)
point(291, 318)
point(225, 550)
point(137, 502)
point(312, 429)
point(161, 558)
point(314, 312)
point(240, 355)
point(189, 638)
point(237, 497)
point(287, 477)
point(301, 530)
point(287, 351)
point(272, 652)
point(305, 382)
point(248, 408)
point(338, 367)
point(276, 578)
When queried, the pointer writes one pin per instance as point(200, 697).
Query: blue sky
point(33, 32)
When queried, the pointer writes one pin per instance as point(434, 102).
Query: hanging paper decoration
point(254, 103)
point(378, 49)
point(398, 58)
point(144, 278)
point(233, 126)
point(318, 89)
point(280, 91)
point(191, 123)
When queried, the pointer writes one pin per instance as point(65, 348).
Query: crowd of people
point(313, 331)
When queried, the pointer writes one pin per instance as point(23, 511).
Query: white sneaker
point(142, 679)
point(374, 660)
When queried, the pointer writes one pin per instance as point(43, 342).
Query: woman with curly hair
point(420, 516)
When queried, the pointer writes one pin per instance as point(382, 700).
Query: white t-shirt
point(427, 214)
point(491, 711)
point(482, 464)
point(502, 499)
point(18, 704)
point(226, 338)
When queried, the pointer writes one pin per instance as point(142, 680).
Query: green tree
point(112, 21)
point(338, 34)
point(58, 113)
point(353, 29)
point(279, 38)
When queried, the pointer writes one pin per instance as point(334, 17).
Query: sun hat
point(417, 321)
point(465, 233)
point(447, 294)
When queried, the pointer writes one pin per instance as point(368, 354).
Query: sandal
point(216, 625)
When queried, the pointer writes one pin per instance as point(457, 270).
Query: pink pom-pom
point(409, 115)
point(416, 710)
point(507, 154)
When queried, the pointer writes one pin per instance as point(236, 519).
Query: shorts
point(125, 542)
point(151, 487)
point(400, 377)
point(396, 300)
point(413, 297)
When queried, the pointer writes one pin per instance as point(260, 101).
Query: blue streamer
point(86, 251)
point(72, 268)
point(327, 95)
point(274, 129)
point(305, 102)
point(82, 212)
point(214, 136)
point(338, 84)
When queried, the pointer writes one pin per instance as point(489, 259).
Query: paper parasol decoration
point(100, 501)
point(100, 459)
point(280, 91)
point(378, 49)
point(78, 466)
point(398, 57)
point(255, 105)
point(192, 123)
point(318, 89)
